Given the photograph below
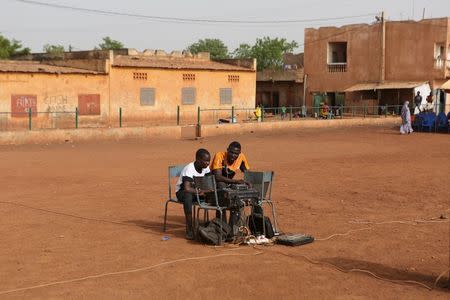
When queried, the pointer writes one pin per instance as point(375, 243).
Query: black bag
point(211, 233)
point(255, 223)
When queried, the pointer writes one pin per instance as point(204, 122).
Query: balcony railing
point(337, 67)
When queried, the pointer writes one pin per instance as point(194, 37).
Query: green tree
point(216, 48)
point(11, 48)
point(56, 50)
point(110, 44)
point(267, 51)
point(243, 51)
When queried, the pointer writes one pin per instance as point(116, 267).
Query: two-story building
point(380, 63)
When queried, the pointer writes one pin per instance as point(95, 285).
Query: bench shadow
point(384, 271)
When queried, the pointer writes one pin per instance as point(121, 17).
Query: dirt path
point(87, 209)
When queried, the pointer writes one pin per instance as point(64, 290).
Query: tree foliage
point(216, 48)
point(56, 50)
point(10, 48)
point(267, 51)
point(110, 44)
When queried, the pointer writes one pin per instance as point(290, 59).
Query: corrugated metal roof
point(173, 63)
point(19, 66)
point(385, 85)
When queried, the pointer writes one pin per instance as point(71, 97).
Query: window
point(139, 76)
point(439, 55)
point(226, 96)
point(233, 78)
point(189, 77)
point(337, 57)
point(188, 95)
point(147, 96)
point(89, 104)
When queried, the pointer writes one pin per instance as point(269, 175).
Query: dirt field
point(84, 220)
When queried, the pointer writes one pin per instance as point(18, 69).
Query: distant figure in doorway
point(406, 127)
point(418, 101)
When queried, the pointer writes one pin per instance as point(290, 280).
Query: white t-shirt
point(188, 173)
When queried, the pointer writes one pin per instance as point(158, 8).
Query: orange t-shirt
point(228, 170)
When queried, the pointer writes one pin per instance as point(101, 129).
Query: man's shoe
point(189, 235)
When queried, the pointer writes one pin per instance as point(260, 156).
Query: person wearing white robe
point(406, 127)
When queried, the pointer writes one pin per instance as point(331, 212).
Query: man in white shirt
point(185, 188)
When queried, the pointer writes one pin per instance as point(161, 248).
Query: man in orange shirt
point(224, 167)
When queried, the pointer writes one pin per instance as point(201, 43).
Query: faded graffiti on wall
point(56, 103)
point(89, 104)
point(21, 104)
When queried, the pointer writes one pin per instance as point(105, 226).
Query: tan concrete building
point(380, 63)
point(148, 87)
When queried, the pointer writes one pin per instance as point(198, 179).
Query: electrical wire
point(186, 20)
point(123, 272)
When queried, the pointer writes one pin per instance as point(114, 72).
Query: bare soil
point(71, 212)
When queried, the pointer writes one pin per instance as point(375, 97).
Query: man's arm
point(220, 178)
point(187, 185)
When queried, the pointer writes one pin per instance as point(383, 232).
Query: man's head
point(233, 151)
point(202, 158)
point(418, 93)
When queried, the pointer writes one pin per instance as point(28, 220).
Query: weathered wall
point(410, 49)
point(125, 92)
point(363, 57)
point(409, 54)
point(50, 93)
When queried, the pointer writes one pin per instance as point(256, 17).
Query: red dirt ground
point(325, 180)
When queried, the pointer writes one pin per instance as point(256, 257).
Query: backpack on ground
point(211, 233)
point(256, 223)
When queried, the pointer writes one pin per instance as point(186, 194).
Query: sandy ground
point(84, 220)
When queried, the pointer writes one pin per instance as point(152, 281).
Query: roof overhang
point(387, 85)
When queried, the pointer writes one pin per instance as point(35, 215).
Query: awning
point(387, 85)
point(445, 86)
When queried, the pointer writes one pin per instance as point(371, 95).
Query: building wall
point(125, 92)
point(363, 57)
point(50, 93)
point(409, 54)
point(410, 49)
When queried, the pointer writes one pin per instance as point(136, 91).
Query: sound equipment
point(233, 196)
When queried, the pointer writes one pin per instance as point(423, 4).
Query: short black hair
point(201, 153)
point(234, 145)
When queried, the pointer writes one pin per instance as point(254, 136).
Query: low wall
point(54, 136)
point(175, 132)
point(222, 129)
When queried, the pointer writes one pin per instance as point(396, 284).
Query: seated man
point(185, 189)
point(224, 167)
point(226, 164)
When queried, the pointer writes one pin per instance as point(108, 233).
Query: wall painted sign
point(89, 104)
point(20, 105)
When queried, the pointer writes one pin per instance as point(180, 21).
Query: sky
point(36, 25)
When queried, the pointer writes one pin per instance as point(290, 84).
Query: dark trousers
point(187, 199)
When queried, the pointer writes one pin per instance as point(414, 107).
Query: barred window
point(188, 95)
point(226, 95)
point(189, 77)
point(147, 96)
